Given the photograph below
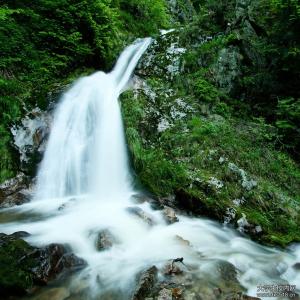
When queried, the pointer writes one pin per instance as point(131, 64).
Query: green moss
point(15, 274)
point(186, 158)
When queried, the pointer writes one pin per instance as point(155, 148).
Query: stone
point(15, 273)
point(15, 191)
point(169, 201)
point(296, 266)
point(177, 293)
point(182, 241)
point(165, 294)
point(227, 271)
point(146, 283)
point(137, 211)
point(104, 240)
point(53, 294)
point(173, 267)
point(245, 181)
point(31, 135)
point(243, 224)
point(170, 215)
point(52, 260)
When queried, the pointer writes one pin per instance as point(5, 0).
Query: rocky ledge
point(24, 267)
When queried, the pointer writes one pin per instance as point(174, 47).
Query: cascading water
point(84, 186)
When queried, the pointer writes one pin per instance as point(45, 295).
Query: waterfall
point(84, 187)
point(86, 150)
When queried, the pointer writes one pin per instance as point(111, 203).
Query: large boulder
point(146, 283)
point(30, 137)
point(23, 266)
point(15, 191)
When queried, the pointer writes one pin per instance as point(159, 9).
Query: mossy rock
point(15, 265)
point(185, 139)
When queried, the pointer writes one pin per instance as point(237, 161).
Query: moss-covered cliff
point(203, 125)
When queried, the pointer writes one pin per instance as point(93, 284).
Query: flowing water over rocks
point(85, 198)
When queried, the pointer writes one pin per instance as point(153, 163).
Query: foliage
point(266, 36)
point(44, 42)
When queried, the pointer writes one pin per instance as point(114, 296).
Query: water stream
point(85, 186)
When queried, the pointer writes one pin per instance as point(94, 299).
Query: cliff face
point(196, 132)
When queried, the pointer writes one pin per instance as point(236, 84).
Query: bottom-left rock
point(22, 266)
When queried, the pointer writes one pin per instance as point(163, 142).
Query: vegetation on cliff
point(216, 118)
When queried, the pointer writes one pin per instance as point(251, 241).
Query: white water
point(85, 173)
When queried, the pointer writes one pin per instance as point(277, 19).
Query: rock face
point(178, 281)
point(170, 215)
point(188, 147)
point(146, 283)
point(165, 294)
point(138, 212)
point(15, 191)
point(23, 266)
point(53, 260)
point(104, 240)
point(30, 138)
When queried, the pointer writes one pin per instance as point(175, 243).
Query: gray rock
point(173, 268)
point(146, 283)
point(53, 294)
point(165, 294)
point(15, 191)
point(105, 240)
point(30, 136)
point(170, 215)
point(52, 260)
point(137, 211)
point(227, 68)
point(31, 266)
point(296, 266)
point(245, 181)
point(227, 271)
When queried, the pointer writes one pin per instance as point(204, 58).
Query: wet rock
point(146, 283)
point(182, 241)
point(169, 201)
point(243, 224)
point(53, 260)
point(227, 271)
point(165, 294)
point(105, 240)
point(15, 191)
point(245, 227)
point(170, 215)
point(15, 274)
point(296, 266)
point(137, 211)
point(23, 266)
point(53, 294)
point(174, 267)
point(177, 293)
point(30, 136)
point(141, 198)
